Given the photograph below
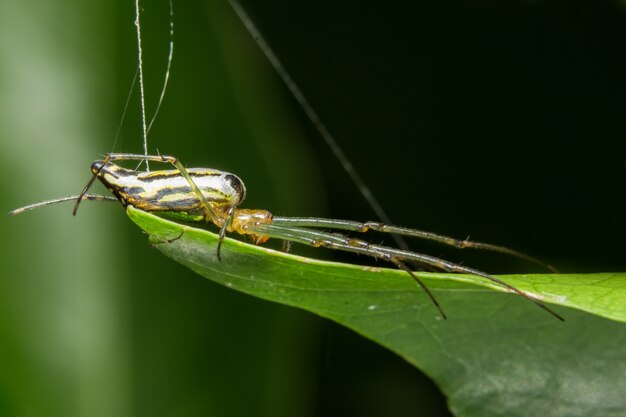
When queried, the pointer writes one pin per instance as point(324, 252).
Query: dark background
point(504, 116)
point(499, 120)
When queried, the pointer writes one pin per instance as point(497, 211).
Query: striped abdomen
point(168, 192)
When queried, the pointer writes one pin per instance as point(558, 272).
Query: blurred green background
point(503, 120)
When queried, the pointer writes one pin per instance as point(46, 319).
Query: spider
point(205, 195)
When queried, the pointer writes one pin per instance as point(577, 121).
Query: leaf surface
point(497, 355)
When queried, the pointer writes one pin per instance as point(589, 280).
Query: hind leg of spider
point(452, 267)
point(335, 241)
point(363, 227)
point(401, 265)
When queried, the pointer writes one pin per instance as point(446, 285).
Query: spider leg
point(452, 267)
point(229, 219)
point(401, 265)
point(86, 188)
point(174, 239)
point(363, 227)
point(334, 241)
point(93, 197)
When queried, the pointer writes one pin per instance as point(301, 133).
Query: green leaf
point(497, 355)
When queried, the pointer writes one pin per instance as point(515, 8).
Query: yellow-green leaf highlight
point(497, 355)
